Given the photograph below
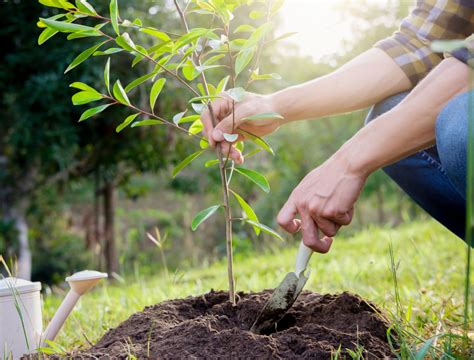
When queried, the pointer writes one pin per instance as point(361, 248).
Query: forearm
point(366, 80)
point(410, 126)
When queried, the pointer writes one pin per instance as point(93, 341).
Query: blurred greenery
point(54, 171)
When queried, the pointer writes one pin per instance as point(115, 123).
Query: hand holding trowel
point(284, 295)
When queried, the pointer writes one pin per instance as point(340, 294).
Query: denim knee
point(384, 106)
point(451, 140)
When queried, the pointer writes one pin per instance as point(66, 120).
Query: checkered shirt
point(429, 20)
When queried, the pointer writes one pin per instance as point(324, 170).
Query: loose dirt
point(209, 327)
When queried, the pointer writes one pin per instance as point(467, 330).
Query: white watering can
point(21, 324)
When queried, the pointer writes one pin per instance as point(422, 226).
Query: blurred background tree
point(69, 192)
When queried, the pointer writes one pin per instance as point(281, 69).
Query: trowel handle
point(302, 258)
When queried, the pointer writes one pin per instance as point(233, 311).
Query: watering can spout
point(79, 283)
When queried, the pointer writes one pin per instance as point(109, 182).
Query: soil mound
point(209, 327)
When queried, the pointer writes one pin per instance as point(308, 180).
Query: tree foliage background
point(69, 190)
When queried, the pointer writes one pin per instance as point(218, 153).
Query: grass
point(428, 260)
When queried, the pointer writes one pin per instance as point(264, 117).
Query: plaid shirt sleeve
point(430, 20)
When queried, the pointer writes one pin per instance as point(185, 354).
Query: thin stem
point(148, 114)
point(225, 188)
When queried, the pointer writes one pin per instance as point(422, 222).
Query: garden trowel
point(284, 295)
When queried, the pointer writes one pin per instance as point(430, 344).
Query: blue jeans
point(435, 178)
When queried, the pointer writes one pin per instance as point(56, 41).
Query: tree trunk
point(111, 258)
point(99, 248)
point(24, 253)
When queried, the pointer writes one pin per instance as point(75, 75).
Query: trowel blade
point(281, 300)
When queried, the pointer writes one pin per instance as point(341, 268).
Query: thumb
point(228, 125)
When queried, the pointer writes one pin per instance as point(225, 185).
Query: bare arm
point(410, 126)
point(364, 81)
point(325, 198)
point(367, 79)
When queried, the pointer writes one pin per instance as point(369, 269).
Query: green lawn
point(430, 271)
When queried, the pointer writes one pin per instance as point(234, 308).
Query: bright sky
point(321, 29)
point(319, 26)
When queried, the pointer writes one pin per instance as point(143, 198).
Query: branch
point(223, 174)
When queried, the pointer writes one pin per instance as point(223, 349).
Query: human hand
point(324, 200)
point(252, 104)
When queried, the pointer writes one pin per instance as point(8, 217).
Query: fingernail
point(217, 135)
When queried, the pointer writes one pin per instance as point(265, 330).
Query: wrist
point(278, 103)
point(354, 158)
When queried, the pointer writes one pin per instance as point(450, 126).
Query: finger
point(207, 130)
point(311, 236)
point(342, 219)
point(220, 108)
point(328, 227)
point(228, 124)
point(286, 217)
point(229, 151)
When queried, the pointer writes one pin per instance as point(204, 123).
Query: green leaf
point(109, 51)
point(85, 7)
point(199, 108)
point(66, 26)
point(186, 162)
point(237, 94)
point(83, 87)
point(177, 117)
point(190, 37)
point(147, 122)
point(203, 216)
point(258, 35)
point(156, 33)
point(213, 59)
point(125, 42)
point(190, 118)
point(210, 163)
point(259, 141)
point(255, 14)
point(284, 36)
point(114, 15)
point(196, 127)
point(45, 35)
point(83, 56)
point(256, 177)
point(120, 94)
point(269, 115)
point(61, 4)
point(126, 122)
point(266, 229)
point(85, 97)
point(189, 71)
point(244, 58)
point(222, 84)
point(247, 210)
point(244, 28)
point(231, 137)
point(201, 98)
point(139, 81)
point(84, 34)
point(107, 75)
point(421, 354)
point(155, 92)
point(91, 112)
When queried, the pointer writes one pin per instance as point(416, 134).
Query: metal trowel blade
point(279, 303)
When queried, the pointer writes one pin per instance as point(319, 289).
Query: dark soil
point(209, 327)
